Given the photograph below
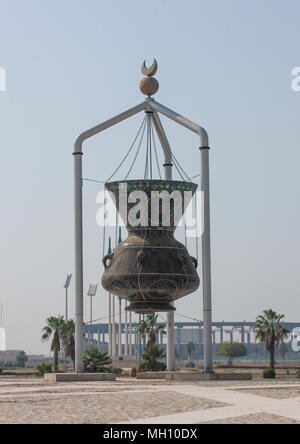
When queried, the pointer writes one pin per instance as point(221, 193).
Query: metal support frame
point(148, 105)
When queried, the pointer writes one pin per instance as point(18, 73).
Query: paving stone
point(276, 393)
point(35, 401)
point(259, 418)
point(97, 408)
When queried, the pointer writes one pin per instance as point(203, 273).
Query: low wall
point(74, 377)
point(194, 376)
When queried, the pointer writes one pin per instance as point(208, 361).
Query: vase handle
point(105, 259)
point(195, 262)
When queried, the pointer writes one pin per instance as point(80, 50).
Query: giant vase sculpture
point(150, 268)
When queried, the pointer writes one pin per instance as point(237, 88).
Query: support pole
point(120, 329)
point(114, 352)
point(126, 331)
point(221, 335)
point(91, 311)
point(206, 263)
point(168, 176)
point(78, 262)
point(109, 326)
point(130, 334)
point(66, 317)
point(243, 335)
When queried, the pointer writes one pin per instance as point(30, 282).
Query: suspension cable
point(159, 314)
point(180, 167)
point(138, 149)
point(127, 154)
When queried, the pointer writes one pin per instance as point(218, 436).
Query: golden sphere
point(149, 86)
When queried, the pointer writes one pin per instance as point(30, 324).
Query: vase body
point(150, 268)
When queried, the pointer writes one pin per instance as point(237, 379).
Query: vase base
point(150, 307)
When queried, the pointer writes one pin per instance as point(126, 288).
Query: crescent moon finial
point(149, 71)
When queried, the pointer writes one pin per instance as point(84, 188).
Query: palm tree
point(151, 359)
point(69, 340)
point(268, 330)
point(54, 327)
point(147, 327)
point(96, 361)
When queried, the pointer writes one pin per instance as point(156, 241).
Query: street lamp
point(66, 286)
point(91, 293)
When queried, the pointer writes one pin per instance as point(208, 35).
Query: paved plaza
point(33, 401)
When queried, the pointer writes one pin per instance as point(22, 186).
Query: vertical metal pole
point(168, 176)
point(120, 328)
point(214, 337)
point(139, 342)
point(206, 263)
point(91, 311)
point(126, 331)
point(109, 326)
point(130, 333)
point(170, 315)
point(113, 327)
point(144, 339)
point(243, 335)
point(248, 338)
point(66, 316)
point(78, 262)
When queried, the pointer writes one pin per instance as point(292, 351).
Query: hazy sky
point(225, 64)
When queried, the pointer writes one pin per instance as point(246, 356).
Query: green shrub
point(269, 373)
point(45, 367)
point(133, 372)
point(96, 361)
point(151, 360)
point(118, 371)
point(298, 374)
point(190, 365)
